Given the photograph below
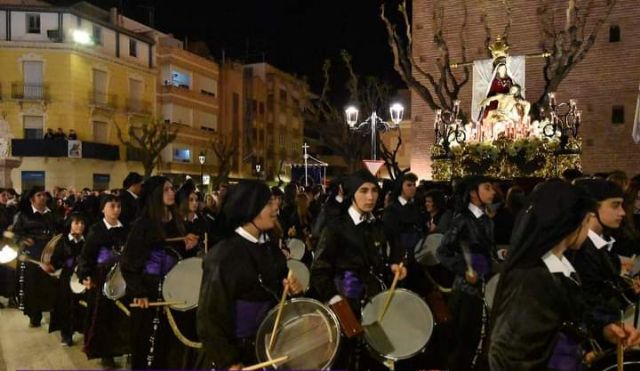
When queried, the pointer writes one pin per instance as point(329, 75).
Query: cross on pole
point(305, 147)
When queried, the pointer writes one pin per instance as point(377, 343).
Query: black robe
point(531, 307)
point(144, 240)
point(231, 274)
point(130, 207)
point(68, 315)
point(106, 331)
point(37, 293)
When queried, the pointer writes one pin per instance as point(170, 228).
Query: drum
point(309, 334)
point(300, 272)
point(182, 284)
point(75, 285)
point(425, 251)
point(296, 248)
point(608, 361)
point(407, 325)
point(490, 290)
point(114, 286)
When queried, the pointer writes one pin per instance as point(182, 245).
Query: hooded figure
point(242, 279)
point(538, 310)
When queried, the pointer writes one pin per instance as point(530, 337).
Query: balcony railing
point(60, 148)
point(138, 106)
point(102, 100)
point(33, 92)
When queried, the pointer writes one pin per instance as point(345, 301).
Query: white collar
point(195, 217)
point(403, 201)
point(109, 226)
point(73, 239)
point(475, 210)
point(339, 199)
point(600, 242)
point(35, 211)
point(135, 196)
point(355, 215)
point(558, 265)
point(249, 237)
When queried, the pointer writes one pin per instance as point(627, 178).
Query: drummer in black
point(35, 225)
point(597, 263)
point(68, 315)
point(351, 254)
point(244, 276)
point(106, 333)
point(146, 259)
point(467, 251)
point(188, 201)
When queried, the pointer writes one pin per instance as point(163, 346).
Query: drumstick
point(206, 240)
point(280, 307)
point(466, 253)
point(620, 346)
point(157, 303)
point(174, 239)
point(266, 364)
point(387, 301)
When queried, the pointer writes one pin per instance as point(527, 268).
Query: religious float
point(499, 136)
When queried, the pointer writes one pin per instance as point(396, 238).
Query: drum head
point(300, 272)
point(296, 248)
point(309, 334)
point(426, 254)
point(75, 285)
point(490, 290)
point(182, 284)
point(406, 326)
point(115, 286)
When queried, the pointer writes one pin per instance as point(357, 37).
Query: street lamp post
point(374, 122)
point(202, 158)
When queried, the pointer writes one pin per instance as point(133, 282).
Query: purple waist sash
point(69, 262)
point(159, 263)
point(349, 285)
point(566, 355)
point(481, 265)
point(248, 317)
point(106, 256)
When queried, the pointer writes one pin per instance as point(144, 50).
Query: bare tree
point(569, 44)
point(147, 140)
point(438, 90)
point(225, 150)
point(390, 157)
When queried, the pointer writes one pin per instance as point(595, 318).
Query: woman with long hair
point(146, 259)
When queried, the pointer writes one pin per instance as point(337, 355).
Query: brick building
point(605, 83)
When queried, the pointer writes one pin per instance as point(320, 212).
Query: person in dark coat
point(68, 315)
point(244, 276)
point(35, 225)
point(539, 315)
point(7, 274)
point(146, 259)
point(466, 250)
point(351, 260)
point(106, 333)
point(131, 185)
point(188, 201)
point(597, 262)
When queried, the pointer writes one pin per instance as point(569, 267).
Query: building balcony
point(29, 92)
point(103, 100)
point(137, 106)
point(61, 148)
point(184, 91)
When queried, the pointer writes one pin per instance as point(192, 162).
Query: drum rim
point(75, 282)
point(178, 307)
point(496, 277)
point(327, 310)
point(433, 325)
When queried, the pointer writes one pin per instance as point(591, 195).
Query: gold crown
point(499, 48)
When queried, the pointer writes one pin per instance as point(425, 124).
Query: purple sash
point(159, 263)
point(350, 285)
point(566, 355)
point(248, 317)
point(481, 265)
point(106, 256)
point(69, 262)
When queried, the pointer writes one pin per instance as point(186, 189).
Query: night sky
point(294, 35)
